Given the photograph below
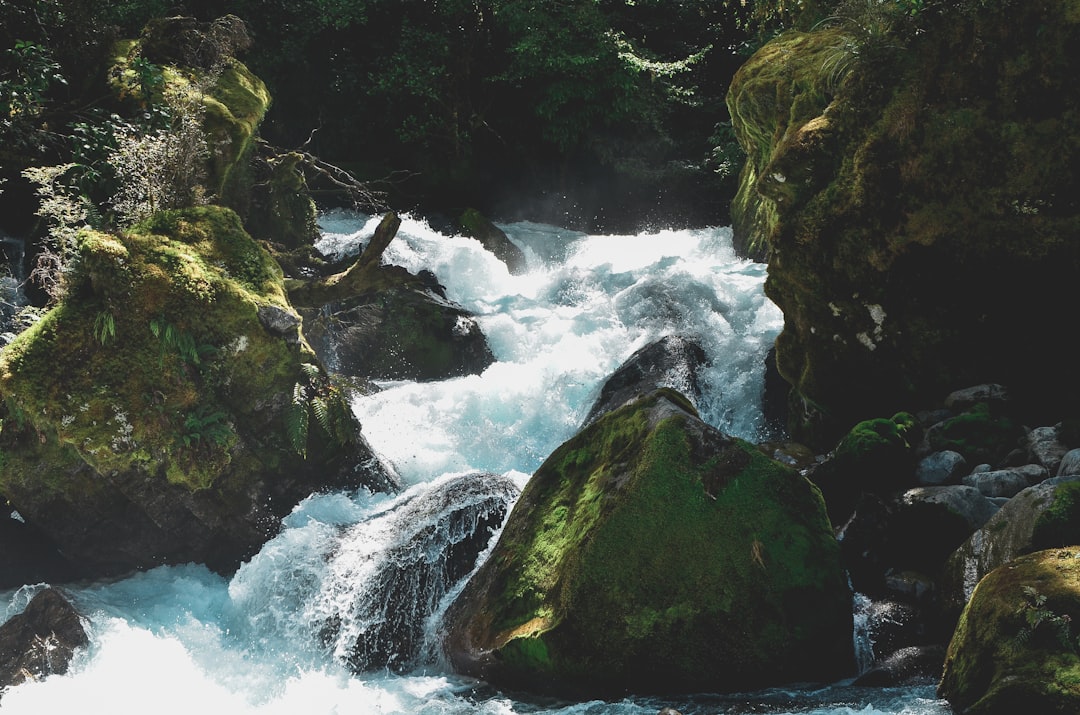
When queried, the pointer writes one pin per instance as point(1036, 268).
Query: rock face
point(41, 640)
point(152, 416)
point(897, 170)
point(1015, 648)
point(653, 553)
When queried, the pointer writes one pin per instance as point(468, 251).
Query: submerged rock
point(383, 595)
point(651, 553)
point(41, 640)
point(152, 416)
point(1014, 649)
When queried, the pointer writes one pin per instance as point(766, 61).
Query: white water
point(181, 639)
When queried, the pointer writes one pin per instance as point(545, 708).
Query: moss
point(999, 661)
point(651, 553)
point(978, 434)
point(1059, 524)
point(183, 291)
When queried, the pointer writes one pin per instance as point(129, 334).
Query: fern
point(104, 327)
point(296, 420)
point(182, 343)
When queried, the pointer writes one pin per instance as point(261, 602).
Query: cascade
point(340, 611)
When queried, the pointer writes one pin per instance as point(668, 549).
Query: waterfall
point(12, 276)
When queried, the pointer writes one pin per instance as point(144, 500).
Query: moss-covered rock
point(1015, 648)
point(981, 435)
point(916, 188)
point(160, 411)
point(653, 553)
point(232, 99)
point(875, 456)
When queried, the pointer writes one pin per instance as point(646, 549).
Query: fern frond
point(296, 421)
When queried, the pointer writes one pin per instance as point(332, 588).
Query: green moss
point(647, 543)
point(978, 434)
point(183, 292)
point(999, 661)
point(1059, 524)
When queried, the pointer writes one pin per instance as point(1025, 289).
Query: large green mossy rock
point(915, 182)
point(651, 553)
point(1015, 648)
point(168, 409)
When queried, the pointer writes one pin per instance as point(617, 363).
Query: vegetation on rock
point(1015, 647)
point(652, 553)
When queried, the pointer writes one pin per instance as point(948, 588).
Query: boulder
point(382, 601)
point(1070, 464)
point(26, 554)
point(874, 457)
point(981, 434)
point(1044, 446)
point(651, 553)
point(909, 664)
point(672, 361)
point(41, 640)
point(381, 322)
point(938, 468)
point(1044, 516)
point(494, 239)
point(152, 416)
point(894, 176)
point(1015, 649)
point(1006, 482)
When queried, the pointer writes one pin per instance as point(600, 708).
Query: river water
point(182, 639)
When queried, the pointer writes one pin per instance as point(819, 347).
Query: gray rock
point(961, 400)
point(1006, 482)
point(940, 468)
point(965, 502)
point(280, 321)
point(1045, 448)
point(1070, 464)
point(1008, 534)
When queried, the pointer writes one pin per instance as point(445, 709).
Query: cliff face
point(914, 184)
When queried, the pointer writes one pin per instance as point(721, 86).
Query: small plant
point(206, 427)
point(329, 402)
point(180, 342)
point(1041, 621)
point(66, 212)
point(104, 327)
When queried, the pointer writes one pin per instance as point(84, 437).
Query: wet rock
point(41, 640)
point(909, 664)
point(494, 240)
point(673, 361)
point(651, 553)
point(1006, 482)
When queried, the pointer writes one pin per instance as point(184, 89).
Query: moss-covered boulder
point(652, 553)
point(196, 65)
point(1044, 516)
point(168, 409)
point(875, 456)
point(913, 180)
point(1015, 648)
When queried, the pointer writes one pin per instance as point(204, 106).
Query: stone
point(672, 361)
point(1070, 464)
point(963, 400)
point(1013, 650)
point(494, 239)
point(652, 553)
point(1006, 482)
point(940, 468)
point(1040, 517)
point(41, 640)
point(188, 434)
point(1046, 448)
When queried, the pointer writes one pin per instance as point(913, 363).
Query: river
point(183, 639)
